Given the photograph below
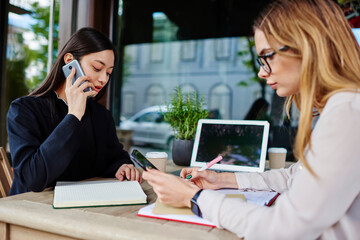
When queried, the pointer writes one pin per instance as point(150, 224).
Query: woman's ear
point(68, 57)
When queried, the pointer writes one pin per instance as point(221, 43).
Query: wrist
point(194, 204)
point(227, 180)
point(76, 115)
point(190, 195)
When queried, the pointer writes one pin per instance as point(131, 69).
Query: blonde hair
point(318, 33)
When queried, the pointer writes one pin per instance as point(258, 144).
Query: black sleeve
point(115, 153)
point(39, 159)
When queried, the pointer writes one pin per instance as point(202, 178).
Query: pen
point(207, 166)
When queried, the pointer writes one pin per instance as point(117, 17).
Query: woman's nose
point(262, 73)
point(103, 79)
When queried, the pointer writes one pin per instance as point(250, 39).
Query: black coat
point(49, 145)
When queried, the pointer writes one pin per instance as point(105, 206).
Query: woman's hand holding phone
point(170, 189)
point(75, 95)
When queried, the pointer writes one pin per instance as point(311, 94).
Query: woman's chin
point(282, 93)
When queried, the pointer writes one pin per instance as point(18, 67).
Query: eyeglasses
point(261, 60)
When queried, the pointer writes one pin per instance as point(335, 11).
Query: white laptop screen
point(242, 144)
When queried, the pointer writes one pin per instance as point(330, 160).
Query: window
point(220, 101)
point(155, 95)
point(25, 64)
point(128, 104)
point(188, 88)
point(201, 46)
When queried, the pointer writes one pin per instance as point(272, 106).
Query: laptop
point(242, 144)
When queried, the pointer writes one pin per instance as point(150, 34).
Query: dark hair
point(83, 42)
point(257, 110)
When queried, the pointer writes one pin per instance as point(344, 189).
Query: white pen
point(207, 166)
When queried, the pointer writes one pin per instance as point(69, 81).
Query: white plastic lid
point(277, 150)
point(156, 155)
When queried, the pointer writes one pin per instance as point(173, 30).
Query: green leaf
point(183, 113)
point(243, 84)
point(251, 65)
point(41, 30)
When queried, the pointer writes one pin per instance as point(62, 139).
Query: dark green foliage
point(41, 30)
point(252, 66)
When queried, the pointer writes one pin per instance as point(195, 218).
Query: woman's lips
point(97, 88)
point(272, 85)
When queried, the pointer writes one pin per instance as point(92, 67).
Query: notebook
point(242, 144)
point(98, 193)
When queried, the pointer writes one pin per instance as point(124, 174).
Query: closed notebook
point(97, 193)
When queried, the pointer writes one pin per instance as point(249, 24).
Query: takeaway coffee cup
point(277, 157)
point(158, 159)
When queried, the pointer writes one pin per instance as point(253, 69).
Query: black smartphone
point(79, 72)
point(139, 159)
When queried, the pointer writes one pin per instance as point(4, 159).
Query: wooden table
point(31, 216)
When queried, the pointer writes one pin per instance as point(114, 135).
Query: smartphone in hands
point(79, 72)
point(139, 159)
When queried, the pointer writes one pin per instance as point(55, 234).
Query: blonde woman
point(307, 53)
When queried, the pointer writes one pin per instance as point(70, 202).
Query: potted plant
point(183, 114)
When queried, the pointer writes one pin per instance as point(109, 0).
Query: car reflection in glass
point(149, 127)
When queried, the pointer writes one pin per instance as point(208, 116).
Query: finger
point(119, 175)
point(132, 173)
point(127, 172)
point(90, 93)
point(197, 174)
point(70, 77)
point(147, 175)
point(87, 84)
point(154, 171)
point(185, 171)
point(150, 176)
point(80, 81)
point(137, 175)
point(84, 88)
point(197, 182)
